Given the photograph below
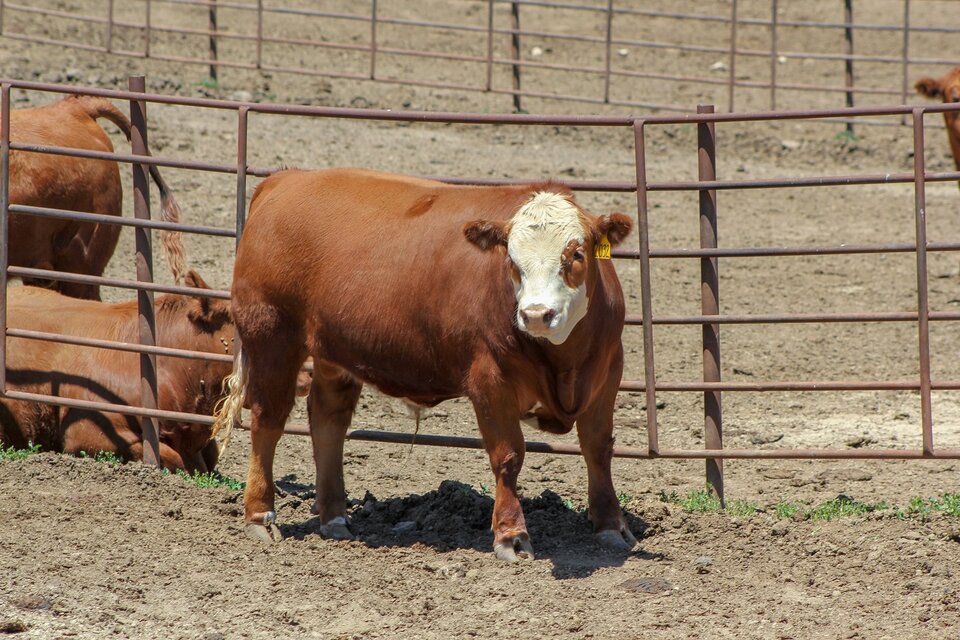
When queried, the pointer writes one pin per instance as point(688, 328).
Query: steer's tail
point(228, 409)
point(173, 248)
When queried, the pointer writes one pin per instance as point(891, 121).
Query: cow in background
point(195, 323)
point(428, 292)
point(75, 184)
point(946, 89)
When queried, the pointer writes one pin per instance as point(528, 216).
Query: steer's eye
point(578, 255)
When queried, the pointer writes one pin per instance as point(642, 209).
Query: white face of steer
point(547, 235)
point(550, 242)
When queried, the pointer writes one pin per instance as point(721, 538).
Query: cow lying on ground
point(75, 184)
point(946, 89)
point(85, 373)
point(428, 292)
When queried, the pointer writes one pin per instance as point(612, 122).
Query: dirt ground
point(93, 550)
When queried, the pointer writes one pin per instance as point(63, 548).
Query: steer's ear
point(930, 87)
point(209, 313)
point(486, 234)
point(615, 226)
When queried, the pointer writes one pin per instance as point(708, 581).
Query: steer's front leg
point(499, 420)
point(595, 431)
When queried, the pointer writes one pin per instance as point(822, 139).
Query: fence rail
point(493, 53)
point(708, 254)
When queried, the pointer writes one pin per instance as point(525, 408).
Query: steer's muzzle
point(537, 317)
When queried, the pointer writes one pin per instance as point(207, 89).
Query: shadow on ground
point(456, 516)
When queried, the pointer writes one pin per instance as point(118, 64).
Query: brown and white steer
point(946, 89)
point(93, 374)
point(75, 184)
point(428, 292)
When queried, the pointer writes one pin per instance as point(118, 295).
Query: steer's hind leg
point(332, 400)
point(595, 431)
point(271, 389)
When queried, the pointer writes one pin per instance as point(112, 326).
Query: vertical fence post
point(4, 226)
point(646, 297)
point(2, 6)
point(213, 40)
point(923, 303)
point(848, 63)
point(109, 44)
point(146, 32)
point(606, 74)
point(242, 117)
point(259, 34)
point(489, 44)
point(515, 52)
point(147, 321)
point(905, 62)
point(373, 40)
point(733, 54)
point(710, 300)
point(774, 48)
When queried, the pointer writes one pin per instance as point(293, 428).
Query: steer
point(76, 184)
point(84, 373)
point(946, 89)
point(428, 292)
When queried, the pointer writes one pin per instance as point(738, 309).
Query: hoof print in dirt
point(336, 529)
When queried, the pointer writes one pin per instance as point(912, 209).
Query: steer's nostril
point(548, 316)
point(524, 317)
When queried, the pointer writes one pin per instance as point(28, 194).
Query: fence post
point(4, 226)
point(489, 44)
point(515, 51)
point(733, 53)
point(373, 40)
point(259, 34)
point(923, 302)
point(848, 63)
point(606, 75)
point(774, 46)
point(646, 296)
point(1, 16)
point(213, 40)
point(109, 45)
point(147, 321)
point(710, 300)
point(905, 86)
point(146, 33)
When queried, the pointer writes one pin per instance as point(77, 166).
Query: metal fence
point(515, 48)
point(711, 386)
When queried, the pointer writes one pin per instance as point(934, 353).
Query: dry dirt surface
point(94, 550)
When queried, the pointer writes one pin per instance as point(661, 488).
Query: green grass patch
point(12, 453)
point(948, 504)
point(843, 506)
point(211, 480)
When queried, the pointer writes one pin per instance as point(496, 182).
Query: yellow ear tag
point(602, 250)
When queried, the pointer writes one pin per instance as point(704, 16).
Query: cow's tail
point(227, 411)
point(173, 249)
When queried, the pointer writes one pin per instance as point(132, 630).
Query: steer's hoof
point(264, 528)
point(336, 529)
point(266, 533)
point(615, 540)
point(514, 549)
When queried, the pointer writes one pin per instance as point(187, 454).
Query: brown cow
point(947, 89)
point(93, 374)
point(75, 184)
point(370, 274)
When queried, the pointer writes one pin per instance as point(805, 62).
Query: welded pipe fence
point(515, 48)
point(711, 386)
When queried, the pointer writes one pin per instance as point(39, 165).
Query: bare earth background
point(92, 550)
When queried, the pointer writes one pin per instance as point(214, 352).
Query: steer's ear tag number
point(602, 250)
